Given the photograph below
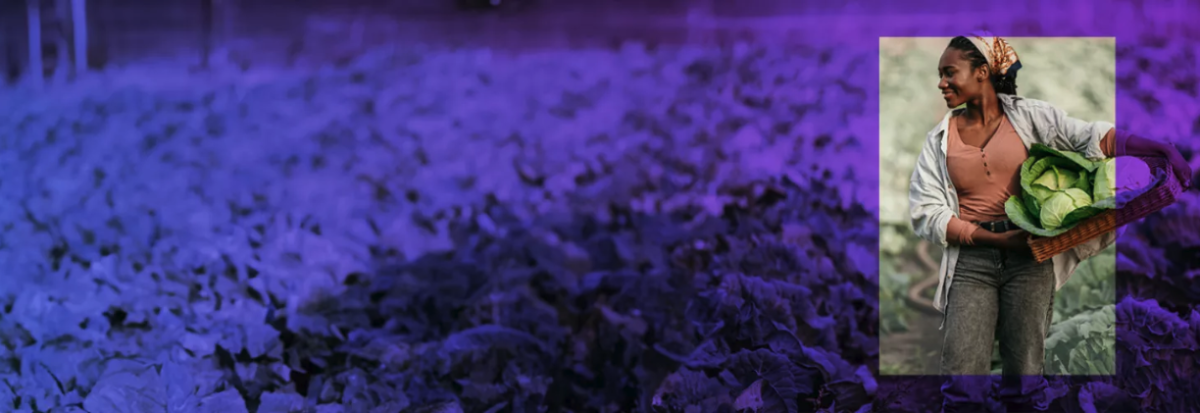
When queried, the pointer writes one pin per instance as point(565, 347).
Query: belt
point(997, 226)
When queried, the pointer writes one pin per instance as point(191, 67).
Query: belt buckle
point(995, 226)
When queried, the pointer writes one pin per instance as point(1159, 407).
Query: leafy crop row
point(560, 232)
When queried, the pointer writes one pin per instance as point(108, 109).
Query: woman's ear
point(981, 74)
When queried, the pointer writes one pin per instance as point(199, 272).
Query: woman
point(968, 168)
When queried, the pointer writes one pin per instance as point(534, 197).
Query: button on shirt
point(933, 202)
point(984, 177)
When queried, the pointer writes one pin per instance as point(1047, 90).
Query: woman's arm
point(928, 208)
point(1085, 137)
point(1071, 133)
point(963, 233)
point(1132, 145)
point(934, 221)
point(1129, 145)
point(1012, 240)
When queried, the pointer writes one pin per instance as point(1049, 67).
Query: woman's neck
point(984, 110)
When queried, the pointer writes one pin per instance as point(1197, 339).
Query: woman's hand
point(1138, 146)
point(1179, 164)
point(1017, 239)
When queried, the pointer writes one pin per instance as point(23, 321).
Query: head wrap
point(1000, 55)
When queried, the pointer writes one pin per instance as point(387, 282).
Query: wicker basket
point(1150, 202)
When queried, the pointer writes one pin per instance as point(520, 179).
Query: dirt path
point(916, 351)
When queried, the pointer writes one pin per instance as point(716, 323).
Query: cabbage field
point(676, 229)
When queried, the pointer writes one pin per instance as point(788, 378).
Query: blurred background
point(258, 33)
point(1077, 75)
point(435, 207)
point(445, 206)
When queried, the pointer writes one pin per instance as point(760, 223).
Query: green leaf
point(1083, 344)
point(1079, 215)
point(1109, 203)
point(1027, 166)
point(1063, 203)
point(1084, 182)
point(1033, 205)
point(1041, 192)
point(1106, 182)
point(1041, 150)
point(1042, 177)
point(1093, 286)
point(1019, 215)
point(1066, 177)
point(1048, 179)
point(894, 311)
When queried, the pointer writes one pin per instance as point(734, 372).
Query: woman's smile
point(950, 96)
point(954, 70)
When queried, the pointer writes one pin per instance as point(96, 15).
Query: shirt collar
point(1006, 101)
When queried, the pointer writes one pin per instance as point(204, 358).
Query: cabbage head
point(1106, 180)
point(1057, 179)
point(1052, 181)
point(1057, 191)
point(1057, 207)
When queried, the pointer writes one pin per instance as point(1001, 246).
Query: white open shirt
point(933, 200)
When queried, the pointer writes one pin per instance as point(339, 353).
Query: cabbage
point(1113, 191)
point(1136, 179)
point(1041, 177)
point(1053, 181)
point(1135, 175)
point(1062, 203)
point(1057, 179)
point(1058, 190)
point(1078, 161)
point(1106, 180)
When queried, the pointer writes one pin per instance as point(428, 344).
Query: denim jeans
point(996, 294)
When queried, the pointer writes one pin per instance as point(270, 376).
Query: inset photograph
point(997, 205)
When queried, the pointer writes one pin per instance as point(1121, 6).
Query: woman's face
point(957, 81)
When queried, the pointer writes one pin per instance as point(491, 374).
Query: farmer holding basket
point(1010, 243)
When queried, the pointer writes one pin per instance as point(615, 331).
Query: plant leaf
point(228, 401)
point(1079, 215)
point(274, 402)
point(1041, 150)
point(1084, 182)
point(1019, 215)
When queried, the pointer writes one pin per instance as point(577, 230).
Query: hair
point(1006, 84)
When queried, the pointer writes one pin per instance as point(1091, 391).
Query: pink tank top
point(985, 177)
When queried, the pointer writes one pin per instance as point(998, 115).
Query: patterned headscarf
point(1000, 55)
